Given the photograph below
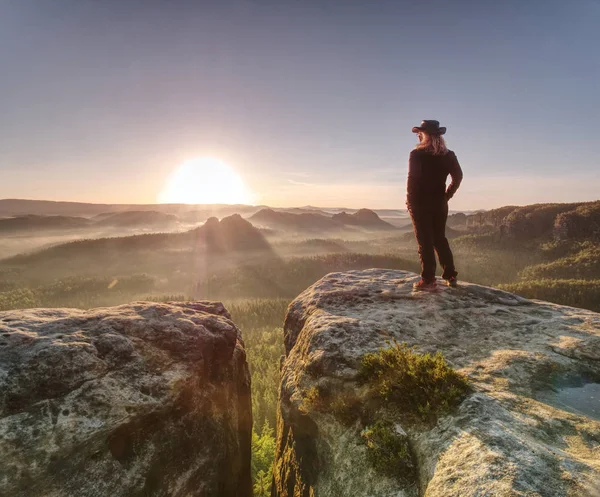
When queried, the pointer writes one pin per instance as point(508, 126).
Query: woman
point(429, 165)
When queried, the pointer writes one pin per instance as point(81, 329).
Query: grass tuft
point(388, 451)
point(419, 386)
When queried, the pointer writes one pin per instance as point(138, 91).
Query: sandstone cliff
point(526, 428)
point(138, 400)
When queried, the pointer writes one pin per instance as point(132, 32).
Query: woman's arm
point(456, 174)
point(414, 173)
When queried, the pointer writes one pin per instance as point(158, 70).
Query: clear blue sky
point(310, 101)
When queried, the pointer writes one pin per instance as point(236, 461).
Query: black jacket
point(427, 174)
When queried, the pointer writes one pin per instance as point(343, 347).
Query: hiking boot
point(453, 282)
point(423, 285)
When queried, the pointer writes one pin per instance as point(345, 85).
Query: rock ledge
point(511, 436)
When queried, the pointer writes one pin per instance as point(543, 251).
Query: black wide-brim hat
point(429, 126)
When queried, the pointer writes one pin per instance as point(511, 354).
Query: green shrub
point(388, 451)
point(419, 386)
point(575, 293)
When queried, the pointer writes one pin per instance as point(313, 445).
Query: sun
point(205, 180)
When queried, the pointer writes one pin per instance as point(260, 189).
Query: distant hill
point(21, 207)
point(301, 210)
point(297, 222)
point(199, 214)
point(365, 218)
point(136, 219)
point(186, 212)
point(32, 223)
point(231, 235)
point(102, 216)
point(578, 220)
point(311, 222)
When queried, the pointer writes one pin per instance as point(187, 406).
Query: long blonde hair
point(433, 143)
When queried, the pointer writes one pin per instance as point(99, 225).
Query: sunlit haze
point(205, 180)
point(302, 102)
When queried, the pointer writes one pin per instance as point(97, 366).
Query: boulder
point(528, 426)
point(145, 399)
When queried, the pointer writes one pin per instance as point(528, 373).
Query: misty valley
point(257, 259)
point(547, 251)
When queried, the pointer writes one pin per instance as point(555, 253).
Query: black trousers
point(429, 222)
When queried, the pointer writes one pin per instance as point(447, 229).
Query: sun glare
point(205, 180)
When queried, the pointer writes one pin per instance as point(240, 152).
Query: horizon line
point(313, 207)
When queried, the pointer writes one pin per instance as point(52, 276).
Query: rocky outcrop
point(143, 399)
point(229, 235)
point(529, 425)
point(365, 218)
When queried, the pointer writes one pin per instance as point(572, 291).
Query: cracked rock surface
point(144, 399)
point(512, 436)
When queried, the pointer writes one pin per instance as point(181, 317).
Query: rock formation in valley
point(230, 235)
